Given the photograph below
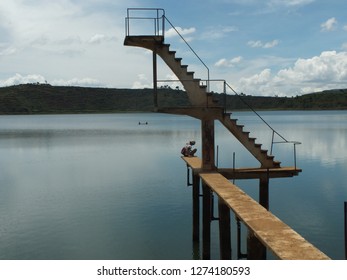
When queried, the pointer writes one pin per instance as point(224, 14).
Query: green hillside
point(47, 99)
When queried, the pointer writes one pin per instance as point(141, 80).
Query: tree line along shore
point(47, 99)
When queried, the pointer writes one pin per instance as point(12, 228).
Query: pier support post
point(264, 192)
point(206, 222)
point(207, 139)
point(255, 249)
point(224, 230)
point(196, 208)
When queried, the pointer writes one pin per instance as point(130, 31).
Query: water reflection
point(103, 187)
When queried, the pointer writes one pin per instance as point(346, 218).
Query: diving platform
point(195, 163)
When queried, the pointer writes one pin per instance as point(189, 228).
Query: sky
point(267, 47)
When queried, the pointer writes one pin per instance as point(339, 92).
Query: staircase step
point(184, 66)
point(190, 73)
point(172, 52)
point(178, 59)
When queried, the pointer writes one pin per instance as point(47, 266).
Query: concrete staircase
point(266, 160)
point(200, 98)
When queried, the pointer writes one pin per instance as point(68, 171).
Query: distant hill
point(47, 99)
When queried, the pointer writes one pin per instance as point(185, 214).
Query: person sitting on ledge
point(188, 150)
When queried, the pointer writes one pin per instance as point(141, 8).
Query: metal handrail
point(160, 18)
point(272, 129)
point(189, 46)
point(159, 21)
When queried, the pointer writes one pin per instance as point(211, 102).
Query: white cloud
point(213, 33)
point(329, 25)
point(81, 82)
point(345, 28)
point(271, 44)
point(255, 44)
point(100, 38)
point(18, 79)
point(290, 2)
point(326, 71)
point(260, 44)
point(7, 51)
point(142, 82)
point(228, 63)
point(183, 31)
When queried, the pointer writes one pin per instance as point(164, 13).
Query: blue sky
point(269, 47)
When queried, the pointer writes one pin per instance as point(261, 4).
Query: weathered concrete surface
point(283, 241)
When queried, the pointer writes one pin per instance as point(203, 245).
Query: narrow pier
point(274, 234)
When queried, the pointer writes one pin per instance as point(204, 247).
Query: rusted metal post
point(207, 139)
point(224, 230)
point(196, 208)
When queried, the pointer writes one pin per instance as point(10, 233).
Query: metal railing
point(159, 19)
point(274, 132)
point(157, 16)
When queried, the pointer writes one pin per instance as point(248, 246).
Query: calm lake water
point(105, 187)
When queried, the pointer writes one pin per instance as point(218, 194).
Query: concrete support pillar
point(207, 139)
